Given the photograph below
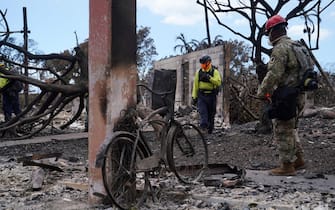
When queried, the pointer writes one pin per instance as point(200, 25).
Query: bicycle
point(129, 162)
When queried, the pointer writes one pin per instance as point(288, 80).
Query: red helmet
point(273, 21)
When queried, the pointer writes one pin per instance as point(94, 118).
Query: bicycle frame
point(165, 123)
point(128, 159)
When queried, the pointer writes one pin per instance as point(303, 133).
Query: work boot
point(285, 169)
point(299, 163)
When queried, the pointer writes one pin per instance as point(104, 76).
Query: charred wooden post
point(25, 62)
point(112, 73)
point(226, 93)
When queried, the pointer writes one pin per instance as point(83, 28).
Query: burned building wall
point(186, 65)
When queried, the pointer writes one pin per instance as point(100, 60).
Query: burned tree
point(257, 12)
point(55, 91)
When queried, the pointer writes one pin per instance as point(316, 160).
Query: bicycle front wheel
point(126, 187)
point(187, 153)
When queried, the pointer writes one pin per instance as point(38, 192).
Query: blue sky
point(52, 24)
point(168, 19)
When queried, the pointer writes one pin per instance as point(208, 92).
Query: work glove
point(267, 97)
point(204, 77)
point(194, 101)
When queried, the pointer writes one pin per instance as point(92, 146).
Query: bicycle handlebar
point(168, 107)
point(155, 93)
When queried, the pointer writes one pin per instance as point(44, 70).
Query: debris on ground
point(241, 146)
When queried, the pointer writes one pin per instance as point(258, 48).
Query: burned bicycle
point(129, 162)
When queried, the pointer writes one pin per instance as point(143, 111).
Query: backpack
point(219, 88)
point(307, 77)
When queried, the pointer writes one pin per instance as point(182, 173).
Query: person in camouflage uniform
point(283, 70)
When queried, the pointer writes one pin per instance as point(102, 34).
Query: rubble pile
point(68, 190)
point(312, 188)
point(17, 189)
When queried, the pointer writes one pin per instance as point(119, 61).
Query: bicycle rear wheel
point(187, 153)
point(126, 187)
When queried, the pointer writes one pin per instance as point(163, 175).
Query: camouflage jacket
point(283, 68)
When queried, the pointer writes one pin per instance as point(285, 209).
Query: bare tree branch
point(255, 10)
point(55, 92)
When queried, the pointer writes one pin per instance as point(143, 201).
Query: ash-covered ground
point(238, 146)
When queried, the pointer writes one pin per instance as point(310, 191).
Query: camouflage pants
point(286, 135)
